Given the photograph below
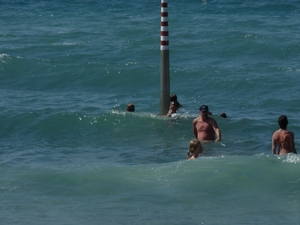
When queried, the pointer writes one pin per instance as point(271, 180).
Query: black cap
point(203, 108)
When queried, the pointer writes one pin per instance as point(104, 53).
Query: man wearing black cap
point(206, 128)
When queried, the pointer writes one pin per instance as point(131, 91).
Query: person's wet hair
point(173, 98)
point(130, 107)
point(283, 121)
point(223, 115)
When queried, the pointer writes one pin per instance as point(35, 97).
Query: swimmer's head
point(130, 107)
point(283, 121)
point(195, 148)
point(173, 98)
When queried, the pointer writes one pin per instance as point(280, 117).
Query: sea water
point(70, 154)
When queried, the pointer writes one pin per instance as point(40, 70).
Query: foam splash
point(292, 158)
point(2, 58)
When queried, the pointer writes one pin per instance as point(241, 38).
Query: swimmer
point(195, 148)
point(173, 98)
point(283, 138)
point(173, 108)
point(130, 107)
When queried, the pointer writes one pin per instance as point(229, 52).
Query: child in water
point(195, 148)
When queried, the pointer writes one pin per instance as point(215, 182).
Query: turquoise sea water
point(69, 154)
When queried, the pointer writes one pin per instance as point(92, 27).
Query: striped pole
point(164, 60)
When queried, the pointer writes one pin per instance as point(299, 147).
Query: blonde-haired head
point(195, 148)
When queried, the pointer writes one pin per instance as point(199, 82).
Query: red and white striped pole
point(164, 60)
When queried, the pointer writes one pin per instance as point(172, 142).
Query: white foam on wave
point(3, 56)
point(292, 158)
point(64, 44)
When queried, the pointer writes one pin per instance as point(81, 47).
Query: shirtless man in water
point(283, 138)
point(206, 128)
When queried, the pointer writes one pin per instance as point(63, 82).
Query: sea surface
point(71, 155)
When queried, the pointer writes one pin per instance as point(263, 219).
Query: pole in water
point(164, 60)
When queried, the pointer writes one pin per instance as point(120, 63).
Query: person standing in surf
point(173, 109)
point(173, 98)
point(283, 139)
point(206, 128)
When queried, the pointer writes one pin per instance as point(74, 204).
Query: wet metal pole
point(164, 60)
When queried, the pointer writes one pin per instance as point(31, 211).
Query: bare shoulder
point(213, 122)
point(275, 134)
point(291, 133)
point(196, 119)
